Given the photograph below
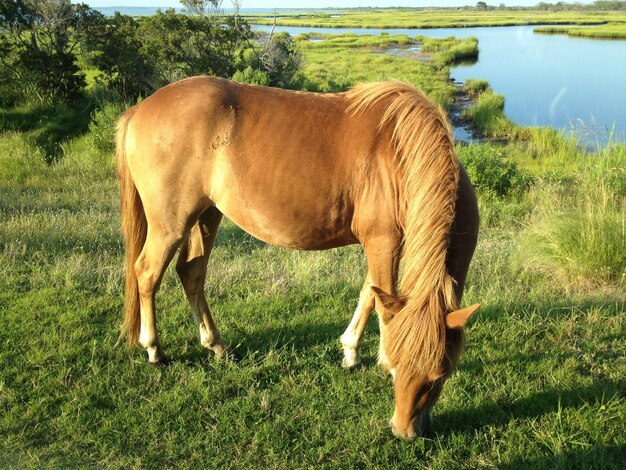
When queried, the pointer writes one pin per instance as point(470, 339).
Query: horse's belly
point(288, 226)
point(287, 215)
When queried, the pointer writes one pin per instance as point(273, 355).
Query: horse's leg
point(353, 336)
point(191, 267)
point(154, 258)
point(383, 258)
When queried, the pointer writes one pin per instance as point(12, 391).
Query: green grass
point(437, 18)
point(343, 60)
point(580, 235)
point(608, 31)
point(475, 86)
point(487, 114)
point(540, 384)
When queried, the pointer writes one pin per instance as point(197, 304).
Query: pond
point(574, 84)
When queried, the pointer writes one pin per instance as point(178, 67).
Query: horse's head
point(416, 393)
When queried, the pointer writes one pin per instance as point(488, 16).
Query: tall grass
point(487, 114)
point(578, 230)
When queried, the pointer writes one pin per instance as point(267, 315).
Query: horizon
point(315, 4)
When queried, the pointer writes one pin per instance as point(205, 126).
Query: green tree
point(39, 44)
point(115, 50)
point(281, 60)
point(180, 46)
point(481, 6)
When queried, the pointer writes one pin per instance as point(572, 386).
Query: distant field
point(411, 18)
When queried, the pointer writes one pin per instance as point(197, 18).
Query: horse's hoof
point(350, 364)
point(161, 362)
point(221, 351)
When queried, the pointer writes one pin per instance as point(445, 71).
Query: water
point(567, 83)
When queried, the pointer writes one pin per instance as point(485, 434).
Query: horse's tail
point(429, 178)
point(134, 229)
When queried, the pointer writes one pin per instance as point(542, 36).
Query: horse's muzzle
point(421, 427)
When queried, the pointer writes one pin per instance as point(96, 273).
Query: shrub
point(116, 53)
point(252, 76)
point(37, 46)
point(281, 61)
point(102, 125)
point(490, 172)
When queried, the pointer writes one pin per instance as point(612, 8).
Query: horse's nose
point(407, 434)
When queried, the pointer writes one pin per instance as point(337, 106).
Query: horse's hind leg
point(154, 258)
point(353, 336)
point(191, 268)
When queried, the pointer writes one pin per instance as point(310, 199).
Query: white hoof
point(351, 358)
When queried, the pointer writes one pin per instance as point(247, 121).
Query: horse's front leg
point(352, 338)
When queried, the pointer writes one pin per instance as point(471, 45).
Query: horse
point(374, 165)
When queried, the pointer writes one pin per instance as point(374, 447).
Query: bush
point(281, 61)
point(252, 76)
point(37, 46)
point(102, 125)
point(116, 53)
point(491, 173)
point(137, 57)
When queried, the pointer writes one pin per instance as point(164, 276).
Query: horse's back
point(283, 165)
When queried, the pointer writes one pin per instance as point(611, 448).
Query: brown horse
point(374, 166)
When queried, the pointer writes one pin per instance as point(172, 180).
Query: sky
point(320, 3)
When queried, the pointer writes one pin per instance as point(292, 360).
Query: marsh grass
point(451, 50)
point(607, 31)
point(578, 231)
point(437, 18)
point(487, 114)
point(341, 61)
point(475, 86)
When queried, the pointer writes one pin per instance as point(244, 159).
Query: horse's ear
point(458, 318)
point(387, 305)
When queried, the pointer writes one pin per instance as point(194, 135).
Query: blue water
point(577, 85)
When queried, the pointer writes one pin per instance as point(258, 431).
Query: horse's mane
point(429, 178)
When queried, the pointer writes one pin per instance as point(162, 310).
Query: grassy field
point(608, 31)
point(336, 62)
point(540, 385)
point(438, 18)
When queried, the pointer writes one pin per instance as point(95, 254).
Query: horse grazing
point(375, 166)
